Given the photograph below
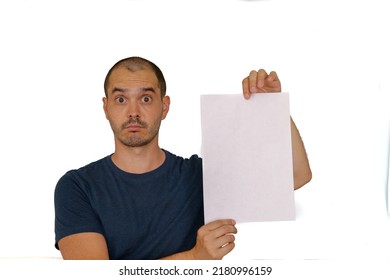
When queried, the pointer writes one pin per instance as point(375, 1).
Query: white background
point(331, 56)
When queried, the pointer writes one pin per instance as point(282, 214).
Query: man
point(143, 202)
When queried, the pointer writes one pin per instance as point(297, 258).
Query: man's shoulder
point(195, 159)
point(90, 166)
point(184, 165)
point(90, 170)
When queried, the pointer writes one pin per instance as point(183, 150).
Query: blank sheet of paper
point(247, 157)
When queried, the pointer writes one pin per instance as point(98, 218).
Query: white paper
point(247, 157)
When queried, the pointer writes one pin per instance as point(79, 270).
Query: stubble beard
point(133, 139)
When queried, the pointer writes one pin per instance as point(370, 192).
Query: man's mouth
point(134, 125)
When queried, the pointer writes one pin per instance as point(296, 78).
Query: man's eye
point(120, 99)
point(146, 99)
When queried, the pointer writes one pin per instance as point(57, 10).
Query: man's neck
point(138, 160)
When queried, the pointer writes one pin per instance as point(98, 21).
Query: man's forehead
point(123, 75)
point(126, 81)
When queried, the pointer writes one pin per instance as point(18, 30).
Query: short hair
point(136, 63)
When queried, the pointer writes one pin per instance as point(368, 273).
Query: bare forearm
point(84, 246)
point(301, 167)
point(186, 255)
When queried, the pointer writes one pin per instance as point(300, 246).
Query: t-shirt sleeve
point(73, 210)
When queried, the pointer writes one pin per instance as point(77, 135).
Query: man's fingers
point(254, 82)
point(245, 88)
point(224, 240)
point(218, 223)
point(260, 82)
point(253, 78)
point(223, 251)
point(215, 239)
point(272, 77)
point(261, 76)
point(221, 230)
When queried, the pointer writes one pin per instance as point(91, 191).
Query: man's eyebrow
point(115, 89)
point(145, 89)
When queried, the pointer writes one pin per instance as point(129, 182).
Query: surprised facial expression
point(134, 107)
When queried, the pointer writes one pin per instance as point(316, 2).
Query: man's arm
point(260, 81)
point(84, 246)
point(301, 167)
point(214, 240)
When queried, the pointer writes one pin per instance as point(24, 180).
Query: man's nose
point(133, 110)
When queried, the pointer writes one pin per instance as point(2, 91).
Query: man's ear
point(104, 99)
point(166, 103)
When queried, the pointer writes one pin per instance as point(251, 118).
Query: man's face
point(134, 107)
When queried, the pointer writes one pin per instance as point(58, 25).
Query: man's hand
point(260, 81)
point(214, 240)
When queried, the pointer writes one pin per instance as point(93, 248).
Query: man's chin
point(135, 142)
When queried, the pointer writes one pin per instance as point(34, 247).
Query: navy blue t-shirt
point(141, 216)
